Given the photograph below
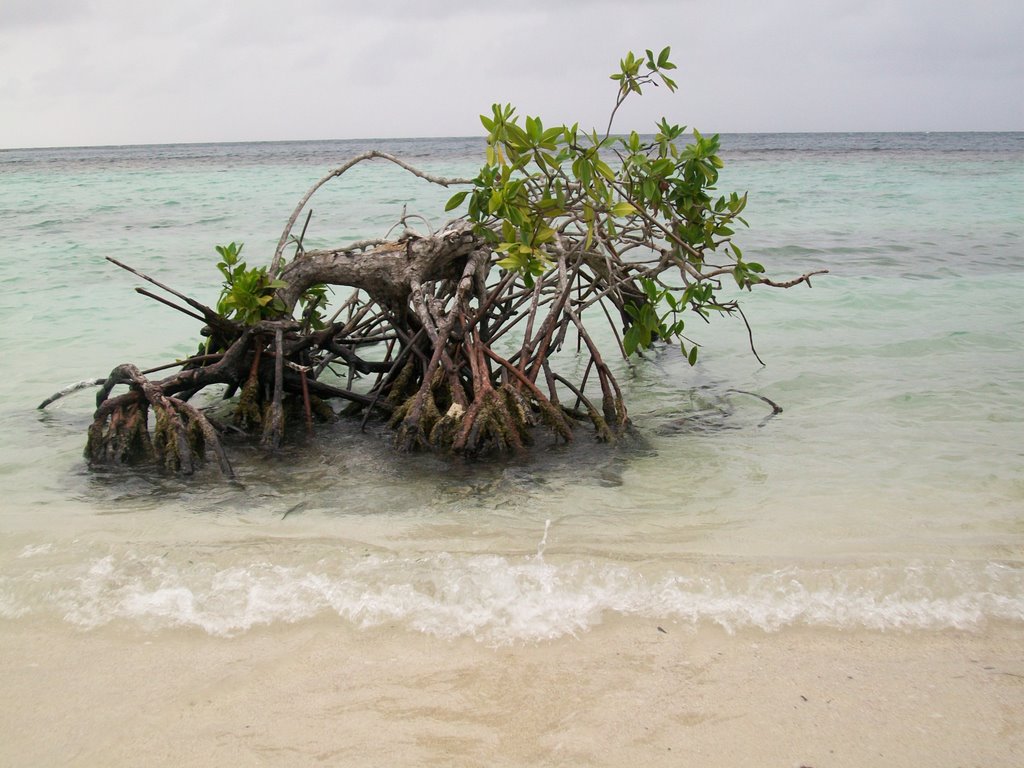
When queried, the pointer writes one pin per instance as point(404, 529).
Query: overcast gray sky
point(78, 72)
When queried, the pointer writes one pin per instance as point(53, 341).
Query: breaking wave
point(498, 599)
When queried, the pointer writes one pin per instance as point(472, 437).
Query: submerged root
point(120, 436)
point(174, 441)
point(520, 415)
point(552, 417)
point(248, 411)
point(494, 423)
point(120, 433)
point(274, 422)
point(447, 427)
point(321, 409)
point(404, 384)
point(414, 421)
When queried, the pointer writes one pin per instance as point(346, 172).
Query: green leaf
point(692, 357)
point(551, 134)
point(495, 202)
point(511, 263)
point(651, 289)
point(517, 137)
point(623, 209)
point(648, 317)
point(604, 169)
point(631, 339)
point(544, 235)
point(456, 200)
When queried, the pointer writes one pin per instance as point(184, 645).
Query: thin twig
point(170, 304)
point(209, 315)
point(298, 244)
point(750, 334)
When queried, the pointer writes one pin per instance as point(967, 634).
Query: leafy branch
point(609, 197)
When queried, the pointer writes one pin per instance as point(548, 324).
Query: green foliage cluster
point(248, 294)
point(649, 325)
point(544, 187)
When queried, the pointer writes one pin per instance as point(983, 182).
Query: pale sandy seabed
point(625, 693)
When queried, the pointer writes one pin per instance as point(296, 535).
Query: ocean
point(887, 496)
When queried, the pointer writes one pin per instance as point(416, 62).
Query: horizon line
point(480, 137)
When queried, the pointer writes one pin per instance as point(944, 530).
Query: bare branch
point(275, 263)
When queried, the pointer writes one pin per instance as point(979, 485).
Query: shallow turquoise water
point(889, 494)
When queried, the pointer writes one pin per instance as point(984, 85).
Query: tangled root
point(414, 420)
point(122, 437)
point(119, 433)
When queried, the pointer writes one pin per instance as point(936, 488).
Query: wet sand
point(625, 693)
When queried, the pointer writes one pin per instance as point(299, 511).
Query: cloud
point(24, 13)
point(111, 71)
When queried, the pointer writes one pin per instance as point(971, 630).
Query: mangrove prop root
point(120, 434)
point(431, 308)
point(455, 352)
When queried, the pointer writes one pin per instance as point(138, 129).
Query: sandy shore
point(624, 694)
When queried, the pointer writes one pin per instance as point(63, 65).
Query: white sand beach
point(625, 693)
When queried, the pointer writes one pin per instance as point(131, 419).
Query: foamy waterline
point(497, 599)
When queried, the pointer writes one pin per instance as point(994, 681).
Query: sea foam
point(498, 599)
